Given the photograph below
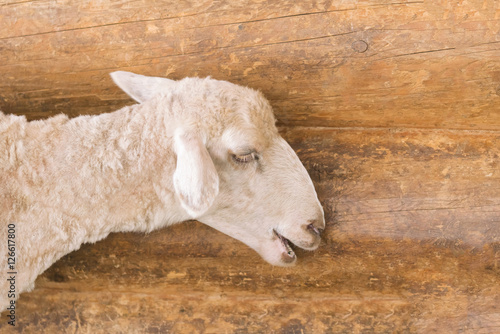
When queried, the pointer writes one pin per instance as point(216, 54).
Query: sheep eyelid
point(245, 158)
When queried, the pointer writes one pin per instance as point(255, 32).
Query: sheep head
point(233, 172)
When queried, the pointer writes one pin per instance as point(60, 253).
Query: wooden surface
point(394, 108)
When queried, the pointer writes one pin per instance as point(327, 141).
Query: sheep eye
point(245, 158)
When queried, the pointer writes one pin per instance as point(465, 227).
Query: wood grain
point(393, 107)
point(369, 64)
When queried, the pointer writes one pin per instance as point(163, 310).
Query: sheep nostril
point(314, 229)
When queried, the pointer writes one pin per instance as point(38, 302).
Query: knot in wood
point(359, 46)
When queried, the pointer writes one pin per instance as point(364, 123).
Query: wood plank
point(375, 286)
point(412, 245)
point(374, 64)
point(414, 183)
point(392, 107)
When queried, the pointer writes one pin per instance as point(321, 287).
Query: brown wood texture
point(394, 108)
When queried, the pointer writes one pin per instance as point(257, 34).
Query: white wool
point(191, 149)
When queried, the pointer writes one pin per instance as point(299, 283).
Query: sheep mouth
point(287, 253)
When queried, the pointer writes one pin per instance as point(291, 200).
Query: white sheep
point(191, 149)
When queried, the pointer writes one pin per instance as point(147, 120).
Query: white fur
point(168, 159)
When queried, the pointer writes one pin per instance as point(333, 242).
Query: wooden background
point(394, 108)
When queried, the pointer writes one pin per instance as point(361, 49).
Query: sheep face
point(267, 200)
point(234, 172)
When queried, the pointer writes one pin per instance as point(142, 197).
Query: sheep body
point(65, 182)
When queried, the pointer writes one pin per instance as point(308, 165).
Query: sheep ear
point(196, 181)
point(139, 87)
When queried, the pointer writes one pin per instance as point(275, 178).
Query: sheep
point(195, 148)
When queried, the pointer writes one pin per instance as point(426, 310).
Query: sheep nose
point(315, 227)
